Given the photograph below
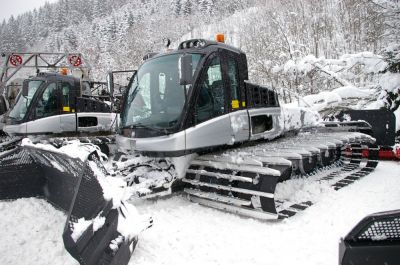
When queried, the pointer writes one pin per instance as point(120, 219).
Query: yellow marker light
point(66, 109)
point(235, 104)
point(220, 37)
point(243, 103)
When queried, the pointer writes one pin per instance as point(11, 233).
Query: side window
point(211, 99)
point(142, 101)
point(234, 83)
point(47, 104)
point(66, 100)
point(272, 102)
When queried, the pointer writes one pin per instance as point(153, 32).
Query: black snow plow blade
point(374, 240)
point(90, 233)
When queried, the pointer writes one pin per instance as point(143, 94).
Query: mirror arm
point(186, 69)
point(25, 89)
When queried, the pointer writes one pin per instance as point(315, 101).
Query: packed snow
point(80, 227)
point(295, 116)
point(32, 233)
point(184, 231)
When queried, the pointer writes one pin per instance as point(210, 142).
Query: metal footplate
point(244, 180)
point(371, 164)
point(227, 205)
point(246, 189)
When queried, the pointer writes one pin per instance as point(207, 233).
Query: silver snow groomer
point(52, 103)
point(195, 108)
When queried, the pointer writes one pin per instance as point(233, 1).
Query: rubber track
point(371, 163)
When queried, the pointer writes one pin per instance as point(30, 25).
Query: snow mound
point(32, 233)
point(322, 100)
point(352, 92)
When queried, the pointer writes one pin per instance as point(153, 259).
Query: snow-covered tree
point(390, 81)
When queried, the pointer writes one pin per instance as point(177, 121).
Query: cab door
point(211, 125)
point(68, 120)
point(236, 95)
point(46, 112)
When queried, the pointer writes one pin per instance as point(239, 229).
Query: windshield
point(19, 110)
point(155, 98)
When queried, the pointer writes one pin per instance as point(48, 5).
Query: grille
point(382, 230)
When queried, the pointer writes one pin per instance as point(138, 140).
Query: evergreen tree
point(3, 39)
point(72, 41)
point(99, 9)
point(205, 6)
point(392, 57)
point(61, 12)
point(187, 8)
point(11, 35)
point(178, 8)
point(131, 19)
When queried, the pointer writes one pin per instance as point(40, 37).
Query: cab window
point(47, 103)
point(234, 83)
point(65, 88)
point(211, 98)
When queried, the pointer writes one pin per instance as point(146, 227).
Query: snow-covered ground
point(31, 233)
point(185, 232)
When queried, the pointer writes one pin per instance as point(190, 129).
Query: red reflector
point(347, 152)
point(398, 152)
point(365, 153)
point(386, 154)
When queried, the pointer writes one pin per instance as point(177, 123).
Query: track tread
point(353, 169)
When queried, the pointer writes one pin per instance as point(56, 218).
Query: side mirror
point(185, 70)
point(25, 88)
point(110, 83)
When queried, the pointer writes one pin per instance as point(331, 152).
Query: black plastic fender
point(383, 124)
point(374, 240)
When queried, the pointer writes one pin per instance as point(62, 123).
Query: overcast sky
point(16, 7)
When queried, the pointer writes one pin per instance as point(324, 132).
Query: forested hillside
point(300, 46)
point(111, 34)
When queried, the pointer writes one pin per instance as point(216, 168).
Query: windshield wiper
point(141, 125)
point(9, 117)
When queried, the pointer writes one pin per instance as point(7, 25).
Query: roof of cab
point(195, 45)
point(56, 76)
